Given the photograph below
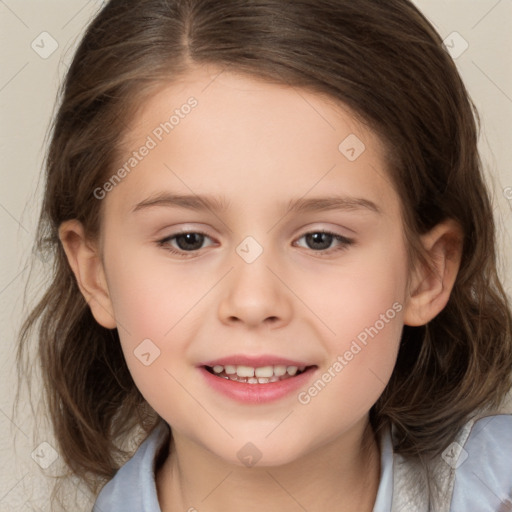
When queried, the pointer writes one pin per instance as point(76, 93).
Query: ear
point(85, 262)
point(430, 289)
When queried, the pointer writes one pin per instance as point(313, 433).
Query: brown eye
point(319, 241)
point(184, 242)
point(189, 241)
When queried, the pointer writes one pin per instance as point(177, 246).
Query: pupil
point(316, 238)
point(194, 241)
point(189, 241)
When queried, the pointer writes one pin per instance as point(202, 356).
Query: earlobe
point(430, 288)
point(85, 262)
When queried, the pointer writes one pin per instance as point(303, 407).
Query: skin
point(259, 145)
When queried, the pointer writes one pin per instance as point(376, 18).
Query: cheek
point(151, 296)
point(361, 358)
point(361, 305)
point(151, 312)
point(155, 304)
point(367, 289)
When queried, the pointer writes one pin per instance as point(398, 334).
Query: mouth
point(257, 375)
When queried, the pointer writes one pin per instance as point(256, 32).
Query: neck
point(342, 475)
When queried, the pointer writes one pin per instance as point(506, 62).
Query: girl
point(275, 258)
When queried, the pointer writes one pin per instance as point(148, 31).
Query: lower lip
point(257, 393)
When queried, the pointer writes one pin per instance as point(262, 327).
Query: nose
point(254, 294)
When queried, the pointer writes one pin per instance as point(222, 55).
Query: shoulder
point(474, 473)
point(483, 466)
point(133, 488)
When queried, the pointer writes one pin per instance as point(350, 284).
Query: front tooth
point(292, 370)
point(230, 369)
point(252, 380)
point(264, 371)
point(245, 371)
point(279, 370)
point(218, 368)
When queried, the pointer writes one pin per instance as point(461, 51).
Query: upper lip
point(254, 361)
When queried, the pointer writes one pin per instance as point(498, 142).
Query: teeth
point(264, 371)
point(261, 375)
point(279, 370)
point(292, 370)
point(244, 371)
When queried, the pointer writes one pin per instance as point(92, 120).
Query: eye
point(321, 241)
point(192, 241)
point(187, 242)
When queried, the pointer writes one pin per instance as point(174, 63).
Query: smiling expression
point(218, 271)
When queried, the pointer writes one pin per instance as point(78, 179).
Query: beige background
point(28, 83)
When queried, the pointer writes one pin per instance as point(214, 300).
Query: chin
point(258, 453)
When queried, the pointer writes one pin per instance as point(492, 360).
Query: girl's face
point(255, 284)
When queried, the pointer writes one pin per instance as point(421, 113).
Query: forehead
point(224, 133)
point(233, 98)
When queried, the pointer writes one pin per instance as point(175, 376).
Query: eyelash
point(344, 241)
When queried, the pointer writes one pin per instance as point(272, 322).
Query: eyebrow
point(221, 204)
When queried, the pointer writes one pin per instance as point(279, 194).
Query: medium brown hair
point(383, 60)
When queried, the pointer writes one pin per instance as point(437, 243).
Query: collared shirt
point(475, 472)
